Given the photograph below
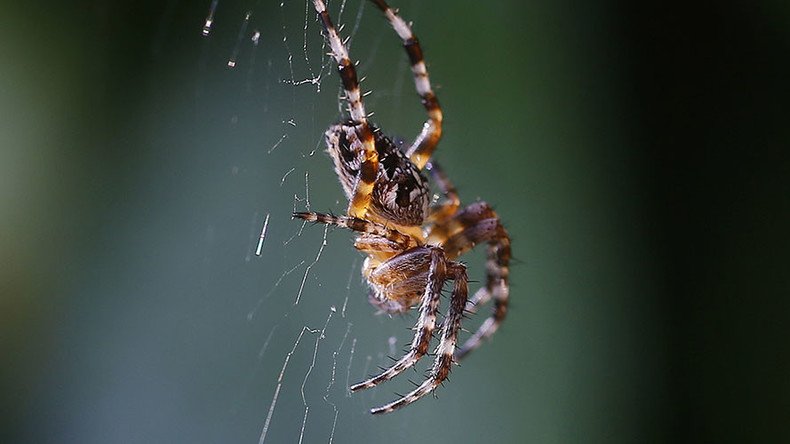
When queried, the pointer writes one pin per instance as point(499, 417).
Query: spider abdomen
point(401, 194)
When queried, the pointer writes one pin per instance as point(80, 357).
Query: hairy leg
point(363, 189)
point(445, 351)
point(423, 146)
point(359, 225)
point(475, 224)
point(428, 308)
point(447, 209)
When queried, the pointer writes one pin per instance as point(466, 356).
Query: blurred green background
point(637, 154)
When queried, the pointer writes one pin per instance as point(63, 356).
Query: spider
point(411, 245)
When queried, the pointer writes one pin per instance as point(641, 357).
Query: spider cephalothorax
point(411, 245)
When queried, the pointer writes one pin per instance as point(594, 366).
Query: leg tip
point(379, 410)
point(358, 387)
point(310, 217)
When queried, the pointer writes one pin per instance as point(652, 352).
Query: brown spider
point(411, 245)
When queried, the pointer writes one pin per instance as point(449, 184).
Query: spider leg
point(441, 213)
point(358, 225)
point(444, 352)
point(479, 223)
point(363, 189)
point(445, 210)
point(425, 324)
point(425, 143)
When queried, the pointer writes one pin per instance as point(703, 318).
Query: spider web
point(173, 298)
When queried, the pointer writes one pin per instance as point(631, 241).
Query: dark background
point(637, 154)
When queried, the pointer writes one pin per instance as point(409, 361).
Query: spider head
point(401, 194)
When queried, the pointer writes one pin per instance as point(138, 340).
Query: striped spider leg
point(421, 149)
point(400, 276)
point(475, 224)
